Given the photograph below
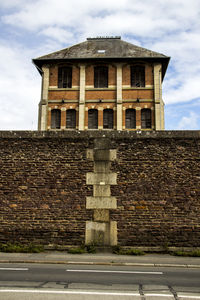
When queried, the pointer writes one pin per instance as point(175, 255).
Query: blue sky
point(31, 28)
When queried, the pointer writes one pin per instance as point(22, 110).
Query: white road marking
point(91, 293)
point(121, 272)
point(167, 295)
point(159, 295)
point(190, 297)
point(68, 292)
point(14, 269)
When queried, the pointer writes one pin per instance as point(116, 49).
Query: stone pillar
point(101, 230)
point(138, 118)
point(100, 117)
point(159, 113)
point(162, 115)
point(63, 118)
point(42, 116)
point(81, 122)
point(119, 97)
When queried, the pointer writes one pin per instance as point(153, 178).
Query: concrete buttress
point(101, 231)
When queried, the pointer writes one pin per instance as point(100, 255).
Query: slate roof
point(103, 48)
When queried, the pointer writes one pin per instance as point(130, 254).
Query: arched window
point(71, 118)
point(146, 118)
point(108, 119)
point(64, 77)
point(92, 119)
point(55, 118)
point(100, 77)
point(137, 76)
point(130, 118)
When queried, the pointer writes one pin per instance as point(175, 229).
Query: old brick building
point(102, 83)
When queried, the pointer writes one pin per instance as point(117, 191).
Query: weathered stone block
point(102, 143)
point(101, 215)
point(102, 166)
point(90, 154)
point(101, 190)
point(101, 203)
point(97, 233)
point(101, 233)
point(104, 155)
point(101, 178)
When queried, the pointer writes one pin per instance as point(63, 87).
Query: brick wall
point(43, 187)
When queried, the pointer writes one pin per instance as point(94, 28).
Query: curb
point(100, 263)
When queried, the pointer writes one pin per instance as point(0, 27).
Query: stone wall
point(43, 187)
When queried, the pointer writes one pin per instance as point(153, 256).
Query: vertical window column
point(82, 99)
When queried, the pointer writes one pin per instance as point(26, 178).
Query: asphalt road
point(34, 281)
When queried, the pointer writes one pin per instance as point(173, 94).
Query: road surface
point(47, 282)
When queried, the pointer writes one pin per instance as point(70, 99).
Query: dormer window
point(100, 77)
point(64, 77)
point(137, 76)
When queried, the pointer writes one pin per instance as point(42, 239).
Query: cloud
point(189, 122)
point(59, 34)
point(137, 17)
point(19, 94)
point(42, 26)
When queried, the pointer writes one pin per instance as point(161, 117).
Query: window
point(71, 118)
point(55, 118)
point(138, 76)
point(108, 119)
point(130, 118)
point(65, 77)
point(92, 119)
point(146, 118)
point(100, 77)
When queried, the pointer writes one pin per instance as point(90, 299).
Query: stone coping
point(92, 134)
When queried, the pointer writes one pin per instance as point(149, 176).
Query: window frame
point(130, 119)
point(146, 118)
point(55, 119)
point(94, 124)
point(101, 76)
point(137, 76)
point(108, 118)
point(71, 119)
point(65, 77)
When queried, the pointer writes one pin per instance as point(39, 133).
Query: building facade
point(102, 83)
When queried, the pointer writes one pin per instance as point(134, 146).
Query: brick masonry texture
point(43, 187)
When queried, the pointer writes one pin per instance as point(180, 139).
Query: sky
point(32, 28)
